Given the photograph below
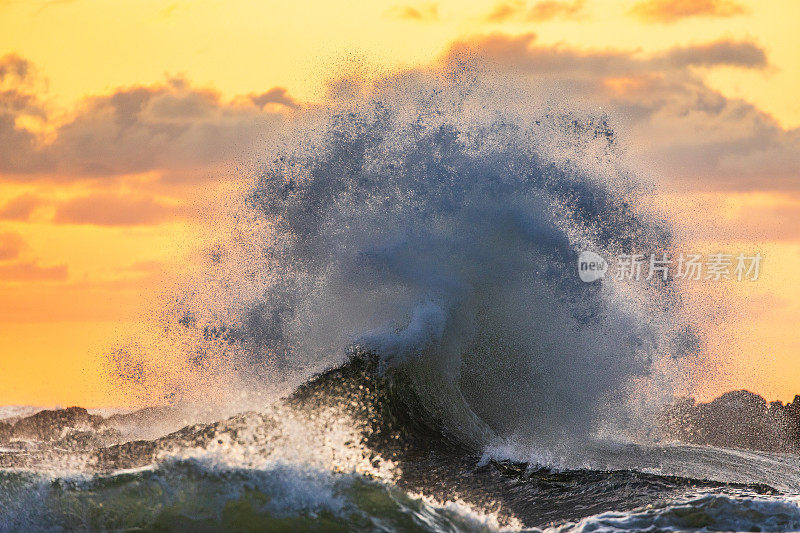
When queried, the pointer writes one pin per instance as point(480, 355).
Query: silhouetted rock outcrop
point(739, 419)
point(72, 428)
point(51, 425)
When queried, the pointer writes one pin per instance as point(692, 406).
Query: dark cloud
point(20, 208)
point(276, 95)
point(538, 12)
point(668, 11)
point(112, 210)
point(11, 244)
point(32, 271)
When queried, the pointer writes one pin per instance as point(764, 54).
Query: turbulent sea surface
point(355, 449)
point(394, 325)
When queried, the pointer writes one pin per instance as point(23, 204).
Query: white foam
point(709, 512)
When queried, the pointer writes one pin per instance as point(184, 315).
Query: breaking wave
point(442, 235)
point(395, 300)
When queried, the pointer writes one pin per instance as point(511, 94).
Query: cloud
point(112, 210)
point(20, 208)
point(669, 11)
point(145, 128)
point(551, 9)
point(522, 53)
point(276, 95)
point(677, 125)
point(172, 126)
point(682, 127)
point(727, 53)
point(18, 146)
point(11, 244)
point(32, 271)
point(423, 13)
point(13, 66)
point(542, 11)
point(505, 11)
point(100, 209)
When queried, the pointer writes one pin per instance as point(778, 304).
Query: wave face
point(443, 236)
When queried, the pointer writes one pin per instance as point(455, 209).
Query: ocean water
point(392, 325)
point(356, 450)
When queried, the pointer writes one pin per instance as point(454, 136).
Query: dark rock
point(6, 430)
point(52, 425)
point(737, 419)
point(142, 417)
point(245, 429)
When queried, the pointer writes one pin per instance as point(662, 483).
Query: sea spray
point(442, 233)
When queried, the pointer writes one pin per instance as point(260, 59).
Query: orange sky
point(120, 121)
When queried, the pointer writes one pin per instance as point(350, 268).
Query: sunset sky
point(123, 122)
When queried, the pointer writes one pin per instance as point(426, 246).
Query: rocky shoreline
point(737, 419)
